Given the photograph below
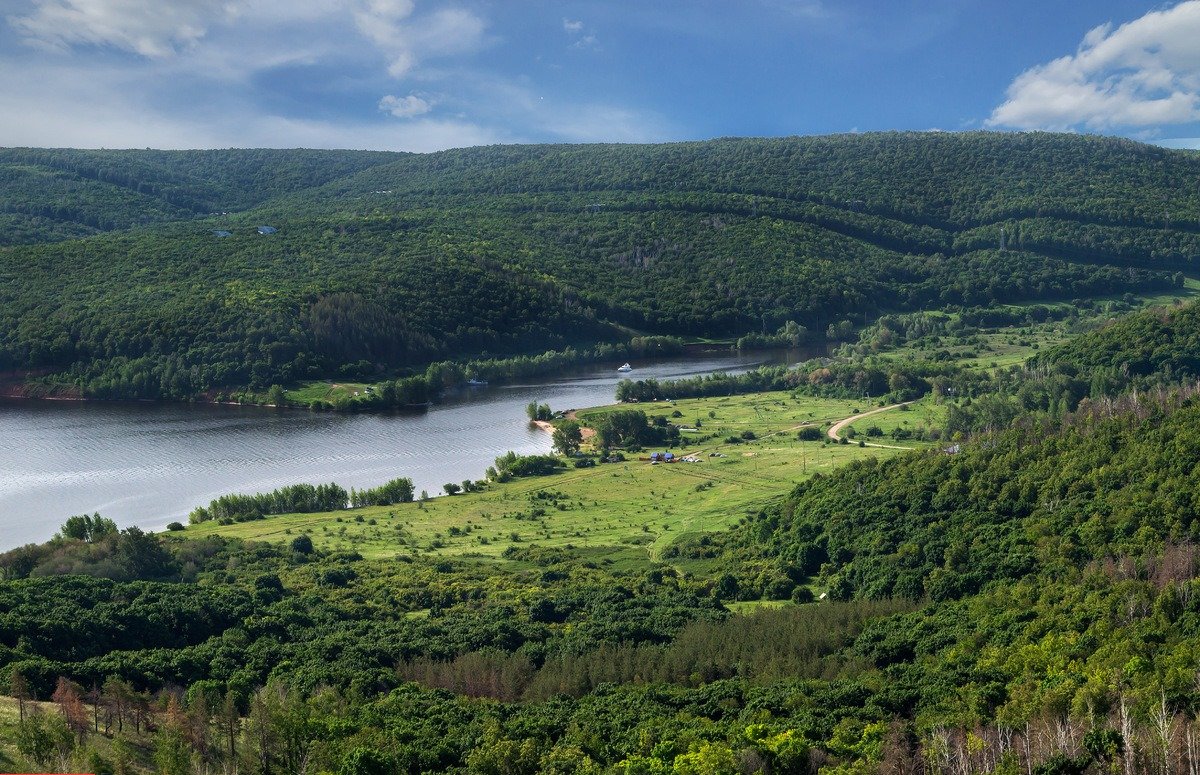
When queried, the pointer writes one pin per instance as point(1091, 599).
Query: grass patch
point(633, 510)
point(752, 606)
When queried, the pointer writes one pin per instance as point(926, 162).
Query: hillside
point(1135, 349)
point(383, 264)
point(1024, 604)
point(1115, 478)
point(52, 194)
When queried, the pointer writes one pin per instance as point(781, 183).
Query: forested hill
point(1155, 345)
point(51, 194)
point(384, 263)
point(1085, 197)
point(1118, 477)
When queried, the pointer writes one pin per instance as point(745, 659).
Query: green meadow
point(624, 511)
point(1001, 346)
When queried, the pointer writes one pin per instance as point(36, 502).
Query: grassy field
point(923, 414)
point(8, 726)
point(631, 510)
point(1003, 346)
point(325, 391)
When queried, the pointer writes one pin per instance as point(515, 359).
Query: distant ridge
point(386, 262)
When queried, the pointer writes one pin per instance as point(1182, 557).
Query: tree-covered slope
point(1117, 477)
point(51, 194)
point(1085, 196)
point(384, 263)
point(1162, 342)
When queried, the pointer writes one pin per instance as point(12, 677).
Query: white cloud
point(406, 39)
point(61, 109)
point(572, 27)
point(151, 28)
point(277, 73)
point(405, 107)
point(1187, 143)
point(1143, 73)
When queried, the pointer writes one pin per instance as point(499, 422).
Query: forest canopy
point(380, 264)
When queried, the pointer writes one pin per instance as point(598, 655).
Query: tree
point(171, 754)
point(276, 397)
point(118, 697)
point(40, 735)
point(302, 544)
point(68, 695)
point(124, 755)
point(623, 427)
point(89, 528)
point(451, 488)
point(568, 437)
point(726, 587)
point(142, 556)
point(706, 759)
point(18, 687)
point(229, 721)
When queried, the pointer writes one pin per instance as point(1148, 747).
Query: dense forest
point(1019, 598)
point(51, 194)
point(382, 264)
point(1024, 601)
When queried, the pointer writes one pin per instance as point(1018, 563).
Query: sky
point(424, 75)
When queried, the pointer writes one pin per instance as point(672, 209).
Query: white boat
point(626, 367)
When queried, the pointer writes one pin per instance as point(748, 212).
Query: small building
point(267, 230)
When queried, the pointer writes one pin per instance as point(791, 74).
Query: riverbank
point(415, 393)
point(746, 449)
point(149, 463)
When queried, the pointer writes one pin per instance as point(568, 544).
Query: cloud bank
point(1145, 73)
point(387, 74)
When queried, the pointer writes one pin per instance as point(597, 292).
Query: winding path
point(835, 429)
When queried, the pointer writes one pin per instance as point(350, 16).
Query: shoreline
point(14, 384)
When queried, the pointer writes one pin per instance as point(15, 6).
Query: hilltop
point(385, 263)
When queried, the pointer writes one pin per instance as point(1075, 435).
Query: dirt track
point(836, 428)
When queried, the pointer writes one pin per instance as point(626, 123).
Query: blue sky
point(429, 74)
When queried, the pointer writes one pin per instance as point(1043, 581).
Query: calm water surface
point(149, 464)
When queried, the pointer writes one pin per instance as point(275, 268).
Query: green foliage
point(510, 465)
point(385, 263)
point(1114, 478)
point(53, 194)
point(395, 491)
point(89, 529)
point(568, 436)
point(538, 412)
point(632, 428)
point(128, 554)
point(296, 498)
point(42, 736)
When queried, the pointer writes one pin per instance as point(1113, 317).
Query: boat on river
point(625, 367)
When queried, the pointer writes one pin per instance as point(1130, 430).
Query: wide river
point(149, 464)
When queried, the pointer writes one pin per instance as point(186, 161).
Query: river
point(148, 464)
